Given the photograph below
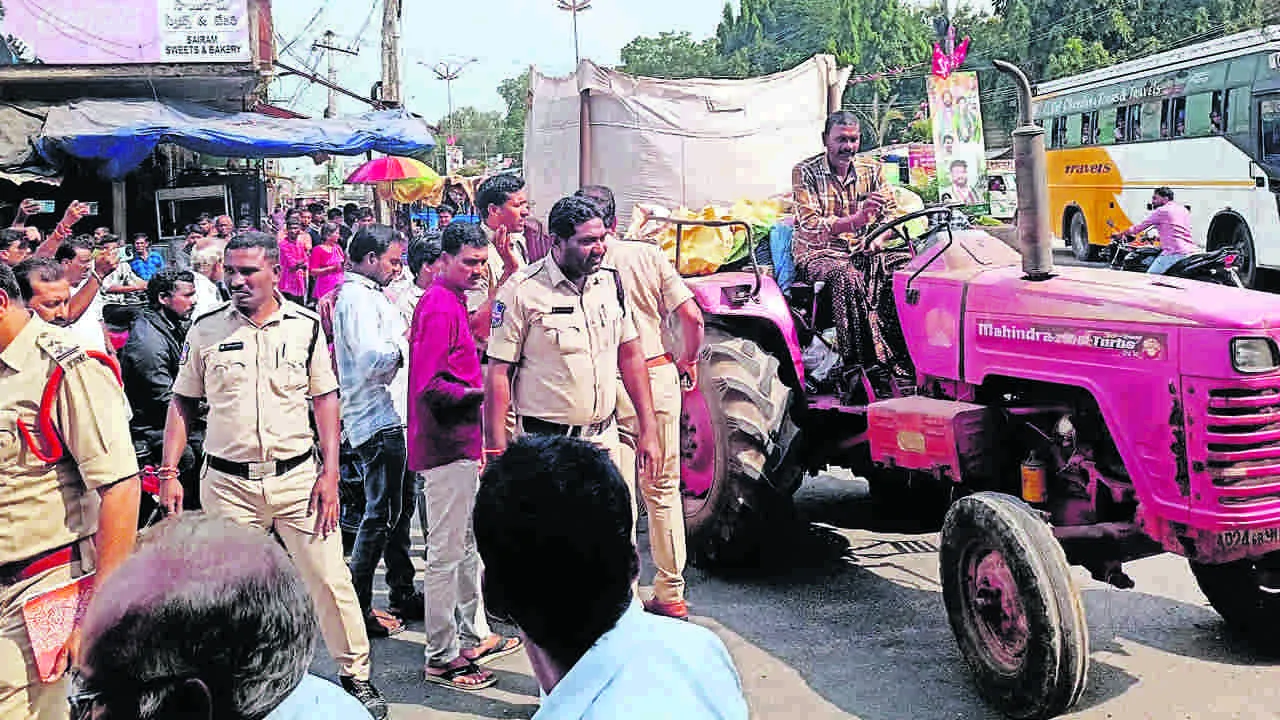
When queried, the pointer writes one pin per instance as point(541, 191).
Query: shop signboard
point(957, 137)
point(124, 32)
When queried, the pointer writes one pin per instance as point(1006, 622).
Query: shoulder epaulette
point(220, 308)
point(64, 352)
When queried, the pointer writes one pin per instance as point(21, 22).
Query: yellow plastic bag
point(702, 249)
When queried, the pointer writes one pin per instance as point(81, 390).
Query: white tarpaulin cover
point(676, 143)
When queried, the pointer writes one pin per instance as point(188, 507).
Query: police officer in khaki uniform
point(654, 292)
point(561, 337)
point(53, 458)
point(257, 360)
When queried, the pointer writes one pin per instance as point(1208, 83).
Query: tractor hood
point(1110, 295)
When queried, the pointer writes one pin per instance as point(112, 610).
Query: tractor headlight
point(1254, 355)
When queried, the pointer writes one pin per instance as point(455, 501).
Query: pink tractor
point(1075, 416)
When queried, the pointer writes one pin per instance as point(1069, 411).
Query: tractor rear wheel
point(1237, 591)
point(735, 431)
point(1013, 607)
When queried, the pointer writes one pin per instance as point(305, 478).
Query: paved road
point(856, 629)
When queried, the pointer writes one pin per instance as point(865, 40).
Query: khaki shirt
point(564, 342)
point(44, 507)
point(257, 380)
point(653, 288)
point(493, 271)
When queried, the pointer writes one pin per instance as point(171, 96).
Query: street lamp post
point(574, 7)
point(448, 71)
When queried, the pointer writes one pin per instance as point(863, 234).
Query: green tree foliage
point(678, 55)
point(515, 93)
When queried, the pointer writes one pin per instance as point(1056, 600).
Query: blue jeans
point(1164, 261)
point(389, 501)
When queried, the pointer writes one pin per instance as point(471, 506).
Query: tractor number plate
point(1232, 539)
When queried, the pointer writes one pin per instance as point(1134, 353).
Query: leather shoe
point(367, 694)
point(678, 609)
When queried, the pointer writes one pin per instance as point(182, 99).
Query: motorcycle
point(1135, 254)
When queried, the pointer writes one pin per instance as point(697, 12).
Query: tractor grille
point(1243, 436)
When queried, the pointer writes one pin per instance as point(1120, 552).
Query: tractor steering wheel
point(897, 226)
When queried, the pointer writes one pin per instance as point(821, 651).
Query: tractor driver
point(838, 199)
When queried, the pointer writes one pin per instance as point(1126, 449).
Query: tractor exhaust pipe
point(1030, 167)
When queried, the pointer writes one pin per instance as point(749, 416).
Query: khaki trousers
point(661, 497)
point(22, 695)
point(280, 503)
point(455, 609)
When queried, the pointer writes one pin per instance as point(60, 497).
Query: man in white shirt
point(553, 510)
point(206, 265)
point(76, 257)
point(370, 340)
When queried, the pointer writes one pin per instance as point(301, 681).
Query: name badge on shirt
point(562, 310)
point(228, 347)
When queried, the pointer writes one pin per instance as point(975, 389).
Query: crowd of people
point(319, 386)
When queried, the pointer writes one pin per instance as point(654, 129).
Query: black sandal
point(449, 678)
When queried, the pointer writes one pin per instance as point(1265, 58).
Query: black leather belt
point(257, 470)
point(545, 427)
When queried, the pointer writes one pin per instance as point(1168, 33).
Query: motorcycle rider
point(1173, 226)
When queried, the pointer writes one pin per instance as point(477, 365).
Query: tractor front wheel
point(1238, 591)
point(735, 432)
point(1013, 607)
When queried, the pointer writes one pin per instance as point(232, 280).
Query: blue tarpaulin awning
point(123, 133)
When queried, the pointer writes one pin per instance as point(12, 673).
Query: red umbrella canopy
point(389, 169)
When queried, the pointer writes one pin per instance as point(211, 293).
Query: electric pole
point(448, 72)
point(574, 7)
point(391, 11)
point(331, 111)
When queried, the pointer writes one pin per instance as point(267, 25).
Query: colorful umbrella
point(387, 169)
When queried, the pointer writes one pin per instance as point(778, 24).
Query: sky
point(505, 36)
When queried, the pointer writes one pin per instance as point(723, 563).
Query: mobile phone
point(46, 206)
point(93, 207)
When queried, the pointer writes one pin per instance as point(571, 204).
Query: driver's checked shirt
point(821, 197)
point(1172, 222)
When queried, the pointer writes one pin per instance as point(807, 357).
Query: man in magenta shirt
point(1173, 225)
point(446, 390)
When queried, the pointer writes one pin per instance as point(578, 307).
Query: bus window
point(1073, 130)
point(1200, 113)
point(1238, 110)
point(1059, 132)
point(1270, 116)
point(1151, 120)
point(1134, 130)
point(1178, 116)
point(1108, 131)
point(1218, 113)
point(1087, 122)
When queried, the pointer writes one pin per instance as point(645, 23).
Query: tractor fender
point(726, 299)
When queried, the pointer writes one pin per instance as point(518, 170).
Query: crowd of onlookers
point(549, 507)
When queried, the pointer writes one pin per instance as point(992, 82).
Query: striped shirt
point(821, 197)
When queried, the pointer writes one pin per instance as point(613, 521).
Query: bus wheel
point(1078, 234)
point(1247, 262)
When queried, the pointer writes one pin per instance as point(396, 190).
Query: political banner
point(957, 138)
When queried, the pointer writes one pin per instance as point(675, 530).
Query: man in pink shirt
point(1173, 225)
point(446, 391)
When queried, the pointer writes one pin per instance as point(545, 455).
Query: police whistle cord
point(44, 418)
